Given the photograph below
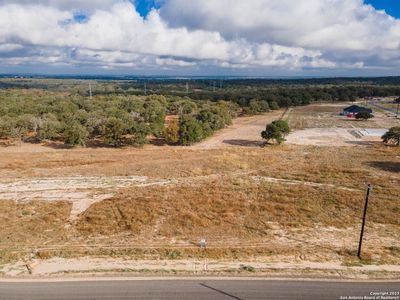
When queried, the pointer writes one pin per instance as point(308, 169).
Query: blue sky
point(201, 37)
point(392, 7)
point(144, 6)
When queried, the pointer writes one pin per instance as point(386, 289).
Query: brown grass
point(239, 216)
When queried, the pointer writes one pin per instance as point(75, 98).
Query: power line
point(363, 221)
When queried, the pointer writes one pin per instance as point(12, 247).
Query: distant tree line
point(120, 114)
point(271, 96)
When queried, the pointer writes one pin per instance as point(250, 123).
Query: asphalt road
point(193, 289)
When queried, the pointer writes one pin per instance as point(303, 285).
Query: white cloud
point(65, 4)
point(10, 47)
point(284, 34)
point(327, 24)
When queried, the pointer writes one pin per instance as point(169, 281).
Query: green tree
point(277, 130)
point(48, 128)
point(154, 114)
point(115, 130)
point(258, 106)
point(181, 106)
point(96, 123)
point(364, 115)
point(137, 133)
point(74, 133)
point(273, 105)
point(210, 121)
point(392, 136)
point(5, 127)
point(190, 130)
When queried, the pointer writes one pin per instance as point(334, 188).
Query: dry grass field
point(289, 203)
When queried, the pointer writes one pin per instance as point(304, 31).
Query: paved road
point(377, 105)
point(193, 289)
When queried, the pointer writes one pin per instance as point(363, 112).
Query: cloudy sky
point(201, 37)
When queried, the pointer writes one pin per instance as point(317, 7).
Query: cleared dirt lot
point(326, 115)
point(321, 125)
point(317, 124)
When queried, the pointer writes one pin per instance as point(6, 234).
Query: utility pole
point(363, 221)
point(145, 88)
point(90, 91)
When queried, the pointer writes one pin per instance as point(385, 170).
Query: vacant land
point(245, 131)
point(262, 206)
point(321, 125)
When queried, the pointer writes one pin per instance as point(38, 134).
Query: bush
point(210, 122)
point(5, 127)
point(137, 134)
point(115, 129)
point(154, 114)
point(171, 133)
point(190, 130)
point(119, 132)
point(273, 105)
point(48, 128)
point(364, 115)
point(75, 134)
point(392, 136)
point(258, 106)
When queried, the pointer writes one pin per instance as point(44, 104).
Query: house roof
point(357, 109)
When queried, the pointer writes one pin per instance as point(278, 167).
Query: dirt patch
point(81, 191)
point(339, 137)
point(201, 267)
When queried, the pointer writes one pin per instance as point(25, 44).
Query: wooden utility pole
point(363, 221)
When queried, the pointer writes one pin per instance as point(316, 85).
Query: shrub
point(210, 121)
point(364, 115)
point(137, 133)
point(5, 127)
point(392, 136)
point(273, 105)
point(74, 133)
point(258, 106)
point(190, 130)
point(115, 129)
point(171, 133)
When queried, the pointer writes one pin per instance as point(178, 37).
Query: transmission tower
point(90, 91)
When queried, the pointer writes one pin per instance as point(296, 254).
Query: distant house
point(353, 110)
